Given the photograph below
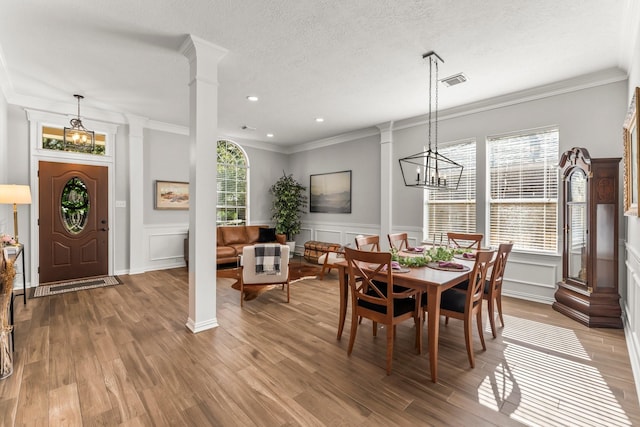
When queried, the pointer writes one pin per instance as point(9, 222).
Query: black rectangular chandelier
point(430, 169)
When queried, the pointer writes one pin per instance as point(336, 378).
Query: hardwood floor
point(122, 355)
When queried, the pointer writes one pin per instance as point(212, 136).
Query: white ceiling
point(356, 63)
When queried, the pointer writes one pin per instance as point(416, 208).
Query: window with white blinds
point(453, 210)
point(523, 199)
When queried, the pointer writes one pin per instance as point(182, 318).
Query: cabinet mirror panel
point(577, 228)
point(605, 250)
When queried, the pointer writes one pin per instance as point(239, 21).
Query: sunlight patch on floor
point(551, 338)
point(546, 380)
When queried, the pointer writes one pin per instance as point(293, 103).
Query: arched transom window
point(232, 184)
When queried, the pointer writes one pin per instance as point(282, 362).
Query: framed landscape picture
point(331, 192)
point(631, 157)
point(172, 195)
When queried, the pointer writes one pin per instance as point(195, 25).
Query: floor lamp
point(15, 195)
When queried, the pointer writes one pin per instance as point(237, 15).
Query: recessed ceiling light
point(319, 119)
point(269, 135)
point(252, 98)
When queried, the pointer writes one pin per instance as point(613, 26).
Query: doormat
point(75, 285)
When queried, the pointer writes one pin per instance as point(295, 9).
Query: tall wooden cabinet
point(588, 291)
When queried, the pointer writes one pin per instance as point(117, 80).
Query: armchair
point(250, 277)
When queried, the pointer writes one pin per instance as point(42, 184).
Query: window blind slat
point(453, 210)
point(523, 180)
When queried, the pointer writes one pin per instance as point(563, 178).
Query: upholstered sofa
point(232, 238)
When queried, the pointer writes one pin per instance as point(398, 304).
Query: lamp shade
point(15, 194)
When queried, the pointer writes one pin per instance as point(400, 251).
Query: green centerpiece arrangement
point(420, 260)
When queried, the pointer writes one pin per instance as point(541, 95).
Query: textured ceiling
point(357, 63)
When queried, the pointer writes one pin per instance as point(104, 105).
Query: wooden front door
point(74, 205)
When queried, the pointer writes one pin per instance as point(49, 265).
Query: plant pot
point(292, 248)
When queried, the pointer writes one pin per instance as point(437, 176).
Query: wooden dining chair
point(368, 243)
point(467, 305)
point(465, 240)
point(399, 241)
point(370, 301)
point(493, 286)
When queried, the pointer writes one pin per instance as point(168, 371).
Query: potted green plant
point(289, 201)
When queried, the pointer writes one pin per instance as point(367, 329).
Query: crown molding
point(167, 127)
point(333, 140)
point(260, 145)
point(67, 108)
point(586, 81)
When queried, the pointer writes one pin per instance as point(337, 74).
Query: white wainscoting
point(528, 276)
point(631, 311)
point(164, 246)
point(532, 277)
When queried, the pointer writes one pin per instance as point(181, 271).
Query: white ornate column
point(386, 183)
point(203, 133)
point(136, 194)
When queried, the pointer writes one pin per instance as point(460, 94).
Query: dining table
point(427, 279)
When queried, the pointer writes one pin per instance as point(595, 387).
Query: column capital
point(203, 57)
point(136, 125)
point(386, 132)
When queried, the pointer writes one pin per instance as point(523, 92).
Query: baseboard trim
point(202, 326)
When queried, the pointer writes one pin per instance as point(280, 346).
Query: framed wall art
point(330, 192)
point(631, 157)
point(172, 195)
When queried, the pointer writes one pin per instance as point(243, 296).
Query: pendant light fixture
point(430, 169)
point(77, 137)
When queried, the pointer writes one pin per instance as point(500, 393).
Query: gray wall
point(18, 172)
point(362, 157)
point(166, 158)
point(265, 167)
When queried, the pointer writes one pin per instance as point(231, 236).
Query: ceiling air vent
point(454, 80)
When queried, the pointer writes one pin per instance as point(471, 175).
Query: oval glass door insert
point(74, 205)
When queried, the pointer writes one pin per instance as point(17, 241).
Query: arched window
point(232, 184)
